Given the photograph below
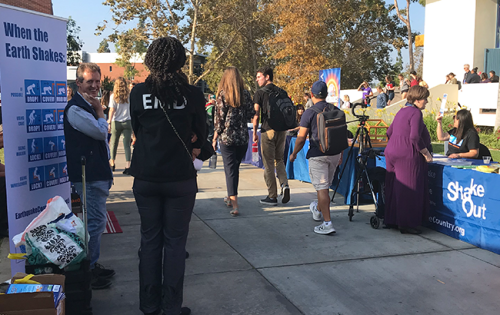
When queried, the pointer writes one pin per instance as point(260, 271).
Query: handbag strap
point(175, 130)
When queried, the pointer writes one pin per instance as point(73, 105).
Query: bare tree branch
point(174, 27)
point(408, 26)
point(213, 63)
point(399, 14)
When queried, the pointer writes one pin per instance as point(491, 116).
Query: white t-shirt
point(122, 110)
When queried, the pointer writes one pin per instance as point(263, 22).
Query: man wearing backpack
point(322, 165)
point(271, 100)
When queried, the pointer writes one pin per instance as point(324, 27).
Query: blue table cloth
point(464, 204)
point(299, 169)
point(248, 157)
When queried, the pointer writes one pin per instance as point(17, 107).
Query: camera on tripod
point(371, 153)
point(363, 106)
point(361, 140)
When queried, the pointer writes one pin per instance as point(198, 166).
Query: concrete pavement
point(269, 261)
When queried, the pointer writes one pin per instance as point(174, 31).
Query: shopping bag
point(55, 207)
point(71, 224)
point(50, 244)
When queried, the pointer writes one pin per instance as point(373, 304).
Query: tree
point(298, 46)
point(73, 43)
point(159, 18)
point(398, 67)
point(103, 47)
point(250, 25)
point(418, 56)
point(129, 48)
point(419, 61)
point(311, 35)
point(107, 84)
point(406, 21)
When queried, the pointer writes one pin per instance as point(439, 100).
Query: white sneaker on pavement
point(317, 216)
point(324, 229)
point(285, 192)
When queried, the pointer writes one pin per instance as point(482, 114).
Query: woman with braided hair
point(166, 112)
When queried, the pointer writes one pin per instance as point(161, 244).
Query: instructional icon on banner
point(61, 92)
point(35, 149)
point(60, 119)
point(36, 177)
point(32, 91)
point(49, 119)
point(48, 95)
point(51, 175)
point(50, 149)
point(34, 120)
point(61, 143)
point(63, 173)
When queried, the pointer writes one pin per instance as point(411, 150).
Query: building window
point(488, 111)
point(110, 68)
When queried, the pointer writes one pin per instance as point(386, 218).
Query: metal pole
point(84, 206)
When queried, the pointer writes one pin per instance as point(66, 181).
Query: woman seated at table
point(463, 138)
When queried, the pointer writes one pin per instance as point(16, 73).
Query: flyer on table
point(33, 85)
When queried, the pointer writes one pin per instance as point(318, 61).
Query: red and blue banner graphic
point(332, 79)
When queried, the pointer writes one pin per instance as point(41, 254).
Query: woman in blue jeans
point(233, 110)
point(167, 114)
point(119, 121)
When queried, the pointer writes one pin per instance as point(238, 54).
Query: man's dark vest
point(79, 144)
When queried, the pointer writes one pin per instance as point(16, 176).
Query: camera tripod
point(365, 151)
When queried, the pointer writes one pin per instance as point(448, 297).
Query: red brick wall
point(44, 6)
point(116, 71)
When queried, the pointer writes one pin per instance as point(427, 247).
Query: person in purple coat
point(407, 154)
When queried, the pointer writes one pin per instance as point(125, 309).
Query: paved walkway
point(269, 260)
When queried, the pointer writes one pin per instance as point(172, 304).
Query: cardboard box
point(39, 303)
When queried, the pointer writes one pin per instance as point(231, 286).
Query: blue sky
point(90, 13)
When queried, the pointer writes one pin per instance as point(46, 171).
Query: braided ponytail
point(165, 56)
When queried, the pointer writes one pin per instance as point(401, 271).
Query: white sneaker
point(317, 216)
point(285, 192)
point(324, 229)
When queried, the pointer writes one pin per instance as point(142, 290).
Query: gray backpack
point(332, 130)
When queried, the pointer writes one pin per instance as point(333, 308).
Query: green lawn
point(439, 148)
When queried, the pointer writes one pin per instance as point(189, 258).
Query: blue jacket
point(381, 100)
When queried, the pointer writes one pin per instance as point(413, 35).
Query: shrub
point(353, 128)
point(490, 139)
point(107, 84)
point(431, 123)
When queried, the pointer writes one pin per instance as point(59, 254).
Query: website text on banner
point(33, 82)
point(464, 205)
point(332, 79)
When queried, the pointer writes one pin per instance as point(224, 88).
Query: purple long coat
point(406, 193)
